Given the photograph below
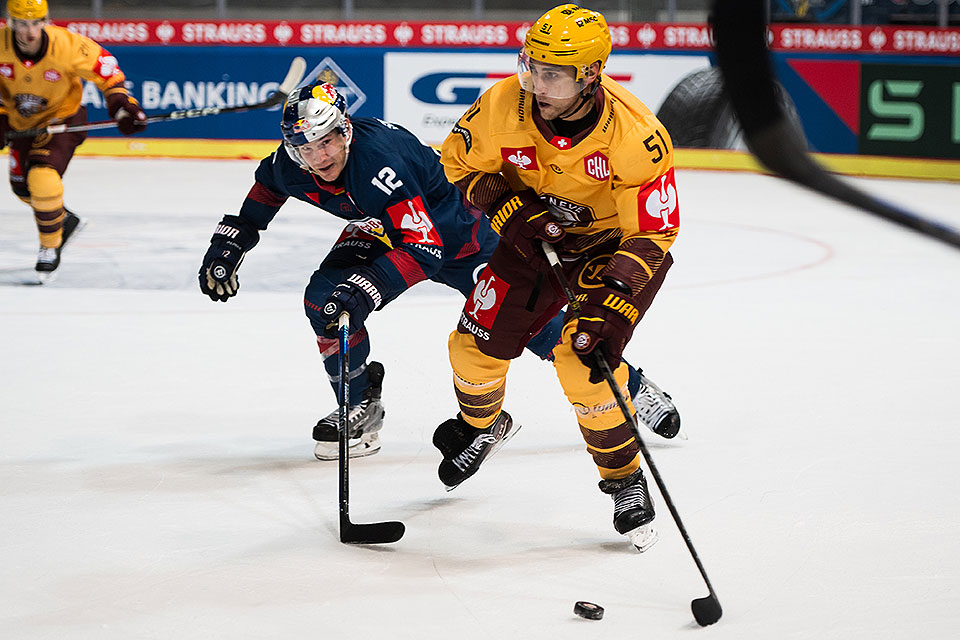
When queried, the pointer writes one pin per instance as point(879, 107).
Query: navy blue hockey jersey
point(393, 187)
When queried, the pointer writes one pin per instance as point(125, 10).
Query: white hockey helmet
point(310, 113)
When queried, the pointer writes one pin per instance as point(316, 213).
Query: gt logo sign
point(597, 166)
point(453, 88)
point(411, 218)
point(522, 157)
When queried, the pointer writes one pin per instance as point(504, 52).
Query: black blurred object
point(741, 46)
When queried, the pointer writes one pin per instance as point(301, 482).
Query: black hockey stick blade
point(739, 27)
point(706, 611)
point(374, 533)
point(289, 83)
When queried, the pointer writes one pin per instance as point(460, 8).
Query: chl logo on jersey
point(597, 166)
point(522, 157)
point(657, 204)
point(487, 296)
point(410, 216)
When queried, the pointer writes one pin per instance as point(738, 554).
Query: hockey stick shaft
point(293, 77)
point(631, 420)
point(743, 57)
point(350, 532)
point(343, 421)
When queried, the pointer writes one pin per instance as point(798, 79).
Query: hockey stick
point(740, 31)
point(294, 74)
point(706, 610)
point(351, 533)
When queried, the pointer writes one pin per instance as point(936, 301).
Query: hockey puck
point(588, 610)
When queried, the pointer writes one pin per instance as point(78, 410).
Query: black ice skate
point(464, 447)
point(49, 258)
point(365, 420)
point(656, 410)
point(632, 509)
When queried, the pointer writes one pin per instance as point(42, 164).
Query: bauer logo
point(463, 87)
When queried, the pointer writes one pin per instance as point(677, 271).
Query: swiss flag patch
point(486, 298)
point(522, 157)
point(410, 217)
point(657, 207)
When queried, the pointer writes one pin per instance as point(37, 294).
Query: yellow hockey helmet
point(569, 35)
point(27, 9)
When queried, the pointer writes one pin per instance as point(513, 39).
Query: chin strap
point(586, 95)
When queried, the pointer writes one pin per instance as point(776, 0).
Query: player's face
point(555, 88)
point(326, 156)
point(28, 34)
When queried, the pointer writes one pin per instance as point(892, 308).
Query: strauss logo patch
point(521, 157)
point(658, 200)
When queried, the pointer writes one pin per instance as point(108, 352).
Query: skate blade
point(361, 449)
point(43, 277)
point(643, 537)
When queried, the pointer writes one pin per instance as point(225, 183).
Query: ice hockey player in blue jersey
point(406, 224)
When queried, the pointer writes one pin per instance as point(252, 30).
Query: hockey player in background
point(42, 68)
point(563, 154)
point(406, 224)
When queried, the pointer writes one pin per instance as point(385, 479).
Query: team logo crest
point(329, 72)
point(597, 166)
point(522, 157)
point(657, 204)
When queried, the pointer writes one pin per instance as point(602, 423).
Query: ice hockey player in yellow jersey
point(41, 72)
point(561, 153)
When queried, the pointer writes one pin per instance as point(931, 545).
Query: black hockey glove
point(607, 319)
point(523, 220)
point(358, 295)
point(218, 273)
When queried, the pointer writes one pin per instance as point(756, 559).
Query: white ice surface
point(156, 468)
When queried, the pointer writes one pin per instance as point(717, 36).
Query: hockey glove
point(358, 295)
point(4, 128)
point(127, 112)
point(523, 220)
point(218, 273)
point(607, 319)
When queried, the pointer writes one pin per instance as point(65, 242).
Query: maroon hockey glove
point(358, 295)
point(230, 242)
point(607, 319)
point(4, 128)
point(522, 220)
point(127, 112)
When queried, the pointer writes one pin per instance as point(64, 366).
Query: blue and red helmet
point(310, 113)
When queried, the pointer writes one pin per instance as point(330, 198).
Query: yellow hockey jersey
point(34, 93)
point(619, 175)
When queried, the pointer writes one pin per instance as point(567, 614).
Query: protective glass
point(548, 80)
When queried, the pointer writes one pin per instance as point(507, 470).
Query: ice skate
point(464, 447)
point(48, 259)
point(365, 420)
point(633, 512)
point(655, 410)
